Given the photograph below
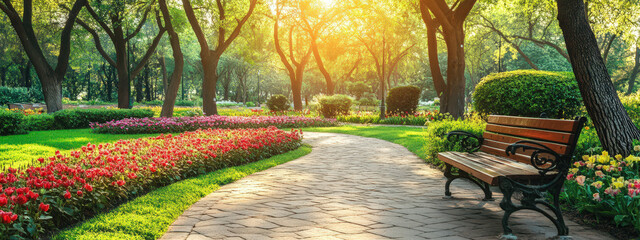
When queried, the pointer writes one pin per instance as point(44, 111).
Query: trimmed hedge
point(11, 123)
point(436, 140)
point(81, 118)
point(403, 100)
point(528, 93)
point(334, 105)
point(20, 95)
point(278, 102)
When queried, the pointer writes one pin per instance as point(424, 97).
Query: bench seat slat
point(540, 123)
point(508, 140)
point(559, 137)
point(487, 167)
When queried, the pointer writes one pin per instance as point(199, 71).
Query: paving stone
point(353, 187)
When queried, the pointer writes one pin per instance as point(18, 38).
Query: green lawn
point(149, 216)
point(18, 150)
point(412, 138)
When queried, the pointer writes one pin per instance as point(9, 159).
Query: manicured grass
point(412, 138)
point(149, 216)
point(18, 150)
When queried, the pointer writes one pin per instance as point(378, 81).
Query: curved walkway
point(353, 187)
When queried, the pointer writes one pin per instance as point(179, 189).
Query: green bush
point(437, 131)
point(403, 100)
point(39, 122)
point(189, 103)
point(278, 102)
point(81, 118)
point(11, 123)
point(334, 105)
point(153, 103)
point(368, 99)
point(250, 104)
point(528, 93)
point(632, 104)
point(19, 95)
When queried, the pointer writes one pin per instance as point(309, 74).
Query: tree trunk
point(88, 77)
point(634, 73)
point(52, 91)
point(176, 76)
point(452, 101)
point(210, 67)
point(147, 83)
point(615, 129)
point(122, 68)
point(296, 89)
point(26, 75)
point(165, 80)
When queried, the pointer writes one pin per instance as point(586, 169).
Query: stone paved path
point(353, 187)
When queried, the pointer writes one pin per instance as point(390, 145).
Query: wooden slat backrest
point(502, 131)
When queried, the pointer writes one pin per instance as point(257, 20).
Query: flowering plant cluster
point(607, 186)
point(181, 124)
point(28, 111)
point(246, 112)
point(417, 119)
point(61, 189)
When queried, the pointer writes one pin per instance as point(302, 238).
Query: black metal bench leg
point(531, 198)
point(488, 196)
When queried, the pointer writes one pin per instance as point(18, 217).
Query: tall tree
point(176, 76)
point(295, 68)
point(111, 18)
point(210, 58)
point(451, 20)
point(51, 78)
point(615, 129)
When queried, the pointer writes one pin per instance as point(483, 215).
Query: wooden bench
point(525, 157)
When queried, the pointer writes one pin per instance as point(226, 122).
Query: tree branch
point(102, 24)
point(191, 16)
point(65, 39)
point(150, 50)
point(140, 24)
point(236, 31)
point(96, 39)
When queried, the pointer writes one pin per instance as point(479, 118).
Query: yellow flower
point(617, 185)
point(606, 167)
point(605, 154)
point(592, 159)
point(577, 164)
point(618, 157)
point(613, 163)
point(586, 128)
point(585, 158)
point(573, 170)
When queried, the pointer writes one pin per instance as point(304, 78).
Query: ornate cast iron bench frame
point(546, 172)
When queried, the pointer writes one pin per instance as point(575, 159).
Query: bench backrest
point(559, 135)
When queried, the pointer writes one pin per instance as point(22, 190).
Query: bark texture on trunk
point(615, 129)
point(171, 90)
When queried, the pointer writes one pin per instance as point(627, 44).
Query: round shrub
point(334, 105)
point(403, 100)
point(11, 123)
point(278, 102)
point(528, 93)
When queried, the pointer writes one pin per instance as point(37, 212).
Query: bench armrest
point(465, 140)
point(540, 157)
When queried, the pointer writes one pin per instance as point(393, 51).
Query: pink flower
point(580, 180)
point(596, 197)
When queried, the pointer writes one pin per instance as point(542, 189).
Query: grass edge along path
point(149, 216)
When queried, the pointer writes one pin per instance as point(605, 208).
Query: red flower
point(21, 199)
point(121, 182)
point(3, 201)
point(79, 193)
point(88, 187)
point(33, 195)
point(67, 194)
point(44, 207)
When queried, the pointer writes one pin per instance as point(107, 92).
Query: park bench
point(525, 157)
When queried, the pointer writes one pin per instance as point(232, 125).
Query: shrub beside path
point(352, 187)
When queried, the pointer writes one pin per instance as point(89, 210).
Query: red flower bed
point(65, 188)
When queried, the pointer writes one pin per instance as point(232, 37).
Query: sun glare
point(327, 3)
